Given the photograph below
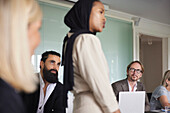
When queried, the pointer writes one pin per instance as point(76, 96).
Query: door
point(153, 56)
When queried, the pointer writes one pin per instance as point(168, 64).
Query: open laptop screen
point(132, 102)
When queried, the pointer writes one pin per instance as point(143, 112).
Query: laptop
point(132, 102)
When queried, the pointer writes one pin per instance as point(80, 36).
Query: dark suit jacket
point(54, 103)
point(10, 100)
point(122, 85)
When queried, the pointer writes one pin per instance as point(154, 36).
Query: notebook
point(132, 102)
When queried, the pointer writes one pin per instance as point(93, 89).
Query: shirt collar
point(130, 89)
point(42, 84)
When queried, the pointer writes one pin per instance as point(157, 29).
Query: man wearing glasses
point(134, 72)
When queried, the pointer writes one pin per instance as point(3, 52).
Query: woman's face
point(34, 35)
point(167, 82)
point(97, 19)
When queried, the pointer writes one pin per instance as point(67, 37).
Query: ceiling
point(156, 10)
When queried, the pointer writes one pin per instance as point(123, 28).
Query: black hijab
point(77, 19)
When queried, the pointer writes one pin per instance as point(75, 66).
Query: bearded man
point(49, 96)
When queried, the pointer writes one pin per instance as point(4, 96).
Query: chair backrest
point(149, 96)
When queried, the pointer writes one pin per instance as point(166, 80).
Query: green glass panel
point(53, 28)
point(116, 38)
point(117, 42)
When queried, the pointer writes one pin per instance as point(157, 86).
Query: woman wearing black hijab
point(86, 71)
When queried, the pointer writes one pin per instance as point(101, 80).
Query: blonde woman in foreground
point(20, 21)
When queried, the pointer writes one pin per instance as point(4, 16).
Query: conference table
point(155, 111)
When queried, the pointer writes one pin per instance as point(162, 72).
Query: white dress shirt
point(130, 88)
point(42, 99)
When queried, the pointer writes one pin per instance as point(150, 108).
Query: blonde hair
point(166, 76)
point(15, 58)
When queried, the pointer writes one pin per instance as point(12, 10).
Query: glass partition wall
point(116, 40)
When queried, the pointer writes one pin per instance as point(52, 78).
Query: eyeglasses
point(138, 71)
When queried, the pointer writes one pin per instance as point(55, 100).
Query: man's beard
point(49, 76)
point(134, 79)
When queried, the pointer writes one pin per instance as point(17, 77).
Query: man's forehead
point(136, 66)
point(53, 57)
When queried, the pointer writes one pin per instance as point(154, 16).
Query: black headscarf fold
point(77, 19)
